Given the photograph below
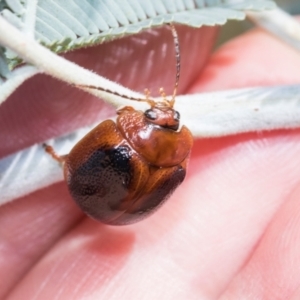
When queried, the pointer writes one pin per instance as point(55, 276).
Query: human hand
point(228, 232)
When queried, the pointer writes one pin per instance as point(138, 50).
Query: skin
point(230, 231)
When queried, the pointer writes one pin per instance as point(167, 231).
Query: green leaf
point(70, 24)
point(65, 25)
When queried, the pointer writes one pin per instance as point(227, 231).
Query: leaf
point(241, 110)
point(280, 24)
point(10, 80)
point(207, 115)
point(70, 24)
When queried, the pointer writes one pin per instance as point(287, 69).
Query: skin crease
point(230, 231)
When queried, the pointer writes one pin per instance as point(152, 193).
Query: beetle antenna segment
point(147, 94)
point(147, 100)
point(163, 94)
point(177, 55)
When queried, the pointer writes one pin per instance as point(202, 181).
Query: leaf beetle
point(123, 171)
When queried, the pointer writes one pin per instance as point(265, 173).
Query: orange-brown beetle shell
point(121, 173)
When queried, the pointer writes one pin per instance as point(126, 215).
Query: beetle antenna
point(147, 100)
point(177, 55)
point(151, 102)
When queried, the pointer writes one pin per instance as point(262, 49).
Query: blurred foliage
point(234, 28)
point(291, 6)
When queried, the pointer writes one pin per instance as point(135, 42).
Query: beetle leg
point(50, 150)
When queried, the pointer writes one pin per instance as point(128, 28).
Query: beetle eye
point(150, 114)
point(176, 116)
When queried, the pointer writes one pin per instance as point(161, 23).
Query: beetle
point(123, 171)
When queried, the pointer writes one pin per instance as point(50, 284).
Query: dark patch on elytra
point(151, 202)
point(102, 180)
point(102, 164)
